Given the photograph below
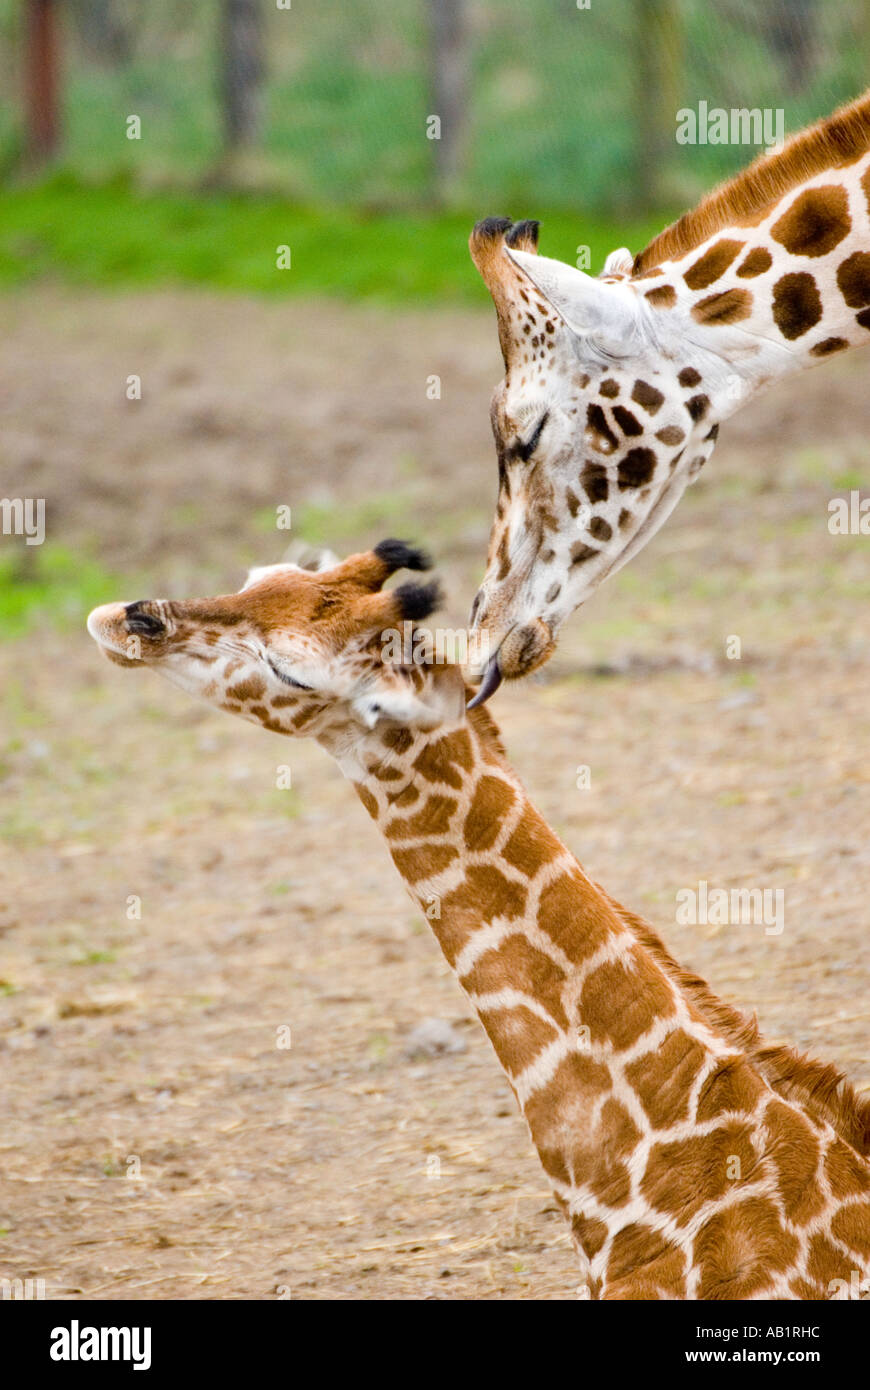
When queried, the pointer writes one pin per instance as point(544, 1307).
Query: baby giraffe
point(691, 1159)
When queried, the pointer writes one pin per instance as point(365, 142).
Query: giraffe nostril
point(476, 608)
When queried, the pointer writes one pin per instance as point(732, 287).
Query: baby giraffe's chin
point(119, 659)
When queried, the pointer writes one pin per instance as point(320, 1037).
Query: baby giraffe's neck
point(658, 1113)
point(571, 1001)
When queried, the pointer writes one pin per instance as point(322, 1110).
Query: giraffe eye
point(288, 680)
point(525, 448)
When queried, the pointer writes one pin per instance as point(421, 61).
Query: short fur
point(825, 1092)
point(838, 140)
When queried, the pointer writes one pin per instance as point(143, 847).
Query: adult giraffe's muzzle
point(521, 651)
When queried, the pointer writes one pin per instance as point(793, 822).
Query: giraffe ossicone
point(615, 387)
point(691, 1158)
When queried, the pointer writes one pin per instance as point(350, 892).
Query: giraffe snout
point(525, 649)
point(119, 628)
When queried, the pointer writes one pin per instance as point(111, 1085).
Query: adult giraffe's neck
point(560, 984)
point(772, 292)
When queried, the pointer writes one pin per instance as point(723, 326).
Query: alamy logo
point(849, 516)
point(22, 1289)
point(23, 516)
point(740, 126)
point(75, 1343)
point(856, 1288)
point(412, 646)
point(753, 907)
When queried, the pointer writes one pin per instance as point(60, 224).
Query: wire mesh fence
point(396, 102)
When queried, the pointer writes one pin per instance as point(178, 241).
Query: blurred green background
point(310, 123)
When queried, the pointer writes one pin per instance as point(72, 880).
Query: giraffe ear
point(313, 558)
point(260, 571)
point(591, 309)
point(300, 557)
point(619, 262)
point(393, 698)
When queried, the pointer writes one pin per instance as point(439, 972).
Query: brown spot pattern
point(797, 305)
point(853, 278)
point(671, 435)
point(594, 482)
point(558, 917)
point(517, 964)
point(597, 424)
point(250, 689)
point(730, 306)
point(531, 844)
point(756, 263)
point(423, 862)
point(680, 1176)
point(663, 1078)
point(732, 1087)
point(622, 999)
point(738, 1250)
point(518, 1035)
point(432, 819)
point(627, 422)
point(662, 297)
point(446, 759)
point(816, 222)
point(712, 264)
point(647, 396)
point(589, 1233)
point(828, 346)
point(492, 798)
point(636, 468)
point(600, 529)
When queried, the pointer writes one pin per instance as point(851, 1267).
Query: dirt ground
point(155, 1139)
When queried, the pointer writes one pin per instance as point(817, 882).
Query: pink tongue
point(489, 685)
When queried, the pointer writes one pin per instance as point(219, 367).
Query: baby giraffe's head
point(323, 653)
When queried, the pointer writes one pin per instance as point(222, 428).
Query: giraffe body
point(615, 388)
point(691, 1159)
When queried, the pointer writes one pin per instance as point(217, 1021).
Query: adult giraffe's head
point(299, 652)
point(615, 387)
point(599, 424)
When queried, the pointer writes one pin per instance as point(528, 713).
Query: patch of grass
point(850, 478)
point(287, 802)
point(18, 828)
point(97, 958)
point(815, 465)
point(378, 1046)
point(231, 241)
point(20, 709)
point(731, 798)
point(342, 521)
point(50, 583)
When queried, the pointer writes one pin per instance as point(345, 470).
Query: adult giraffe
point(691, 1158)
point(615, 387)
